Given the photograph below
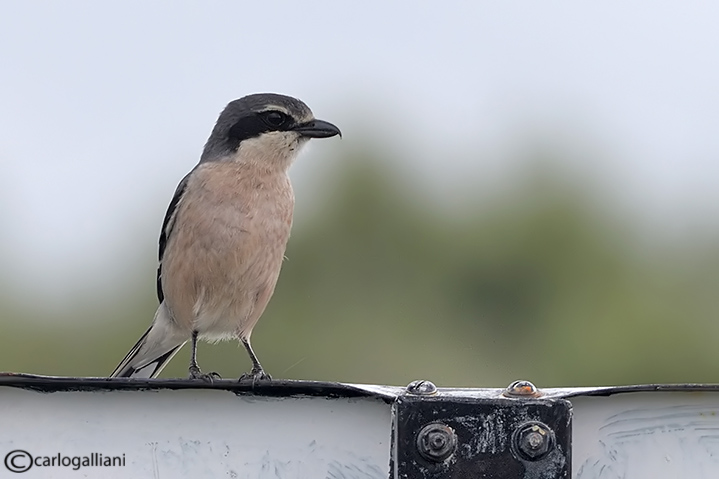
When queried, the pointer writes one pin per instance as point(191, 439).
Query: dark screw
point(421, 387)
point(436, 442)
point(533, 440)
point(521, 388)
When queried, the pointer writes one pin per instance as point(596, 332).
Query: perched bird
point(224, 235)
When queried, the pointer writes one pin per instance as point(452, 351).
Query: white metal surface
point(292, 429)
point(196, 433)
point(643, 435)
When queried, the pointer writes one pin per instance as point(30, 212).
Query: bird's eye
point(275, 119)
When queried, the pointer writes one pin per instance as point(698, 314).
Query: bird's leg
point(194, 368)
point(195, 372)
point(257, 373)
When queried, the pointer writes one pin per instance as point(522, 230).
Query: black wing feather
point(167, 226)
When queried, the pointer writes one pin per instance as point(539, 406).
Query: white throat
point(275, 150)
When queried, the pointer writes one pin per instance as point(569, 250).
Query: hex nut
point(436, 442)
point(533, 440)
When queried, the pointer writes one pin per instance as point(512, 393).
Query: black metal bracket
point(499, 438)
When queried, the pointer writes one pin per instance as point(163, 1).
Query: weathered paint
point(303, 429)
point(198, 433)
point(487, 440)
point(658, 435)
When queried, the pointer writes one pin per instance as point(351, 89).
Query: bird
point(224, 235)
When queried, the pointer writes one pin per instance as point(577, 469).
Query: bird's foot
point(196, 373)
point(255, 375)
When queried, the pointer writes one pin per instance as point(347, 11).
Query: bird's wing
point(167, 225)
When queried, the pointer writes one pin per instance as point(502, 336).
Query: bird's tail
point(153, 350)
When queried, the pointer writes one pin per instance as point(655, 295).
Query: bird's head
point(264, 129)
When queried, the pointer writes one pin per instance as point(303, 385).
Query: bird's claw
point(196, 373)
point(255, 375)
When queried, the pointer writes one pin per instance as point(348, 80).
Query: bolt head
point(421, 387)
point(436, 442)
point(533, 440)
point(521, 388)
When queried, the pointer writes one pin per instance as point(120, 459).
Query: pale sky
point(105, 106)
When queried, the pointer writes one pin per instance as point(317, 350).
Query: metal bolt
point(422, 387)
point(521, 388)
point(436, 442)
point(533, 440)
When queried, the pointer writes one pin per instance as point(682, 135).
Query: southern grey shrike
point(224, 235)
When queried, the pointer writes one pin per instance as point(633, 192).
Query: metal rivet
point(422, 387)
point(436, 442)
point(521, 388)
point(533, 440)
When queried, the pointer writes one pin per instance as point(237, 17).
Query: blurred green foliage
point(540, 281)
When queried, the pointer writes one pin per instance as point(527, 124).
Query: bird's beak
point(317, 129)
